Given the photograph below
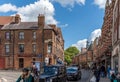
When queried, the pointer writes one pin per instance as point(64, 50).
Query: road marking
point(3, 80)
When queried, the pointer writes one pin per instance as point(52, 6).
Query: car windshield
point(72, 69)
point(50, 70)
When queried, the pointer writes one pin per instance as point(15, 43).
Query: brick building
point(106, 36)
point(81, 58)
point(25, 42)
point(116, 37)
point(95, 49)
point(4, 20)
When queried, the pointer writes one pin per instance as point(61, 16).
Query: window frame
point(49, 50)
point(7, 35)
point(34, 48)
point(21, 35)
point(21, 46)
point(34, 35)
point(7, 48)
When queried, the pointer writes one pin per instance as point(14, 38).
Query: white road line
point(3, 80)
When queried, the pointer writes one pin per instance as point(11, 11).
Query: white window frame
point(34, 48)
point(49, 48)
point(7, 35)
point(34, 35)
point(21, 35)
point(7, 48)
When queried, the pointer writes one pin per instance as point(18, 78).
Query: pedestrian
point(26, 76)
point(34, 70)
point(102, 71)
point(97, 74)
point(112, 75)
point(108, 71)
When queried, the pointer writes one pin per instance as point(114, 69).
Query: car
point(53, 73)
point(73, 73)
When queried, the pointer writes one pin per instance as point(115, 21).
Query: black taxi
point(53, 73)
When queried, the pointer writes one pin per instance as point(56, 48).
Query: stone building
point(25, 42)
point(116, 36)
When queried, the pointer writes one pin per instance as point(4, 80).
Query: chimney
point(41, 20)
point(17, 18)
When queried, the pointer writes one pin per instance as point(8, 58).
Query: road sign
point(39, 55)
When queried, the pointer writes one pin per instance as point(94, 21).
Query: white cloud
point(82, 43)
point(30, 12)
point(100, 3)
point(94, 34)
point(70, 3)
point(64, 25)
point(7, 7)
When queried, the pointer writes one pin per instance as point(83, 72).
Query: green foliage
point(70, 53)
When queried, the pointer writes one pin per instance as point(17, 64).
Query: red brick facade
point(31, 41)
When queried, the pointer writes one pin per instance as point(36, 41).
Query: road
point(11, 76)
point(86, 74)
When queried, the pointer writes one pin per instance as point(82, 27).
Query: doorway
point(21, 62)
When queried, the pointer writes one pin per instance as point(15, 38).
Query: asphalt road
point(86, 74)
point(11, 76)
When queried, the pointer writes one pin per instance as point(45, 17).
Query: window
point(7, 35)
point(21, 48)
point(7, 48)
point(49, 48)
point(34, 35)
point(21, 35)
point(34, 48)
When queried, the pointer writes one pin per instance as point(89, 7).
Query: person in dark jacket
point(26, 76)
point(102, 71)
point(97, 74)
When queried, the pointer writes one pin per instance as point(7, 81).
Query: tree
point(70, 53)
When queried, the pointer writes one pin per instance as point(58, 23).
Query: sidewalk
point(104, 80)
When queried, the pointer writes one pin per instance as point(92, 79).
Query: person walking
point(102, 71)
point(97, 74)
point(25, 76)
point(108, 71)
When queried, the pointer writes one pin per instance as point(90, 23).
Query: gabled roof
point(6, 19)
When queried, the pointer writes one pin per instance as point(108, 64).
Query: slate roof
point(23, 25)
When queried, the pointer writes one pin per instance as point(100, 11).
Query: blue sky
point(79, 19)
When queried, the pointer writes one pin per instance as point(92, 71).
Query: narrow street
point(86, 74)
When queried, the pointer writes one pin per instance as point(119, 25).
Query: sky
point(79, 20)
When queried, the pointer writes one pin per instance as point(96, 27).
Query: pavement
point(104, 80)
point(9, 76)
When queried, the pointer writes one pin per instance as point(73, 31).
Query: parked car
point(54, 73)
point(73, 73)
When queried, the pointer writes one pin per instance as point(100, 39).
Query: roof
point(6, 19)
point(23, 25)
